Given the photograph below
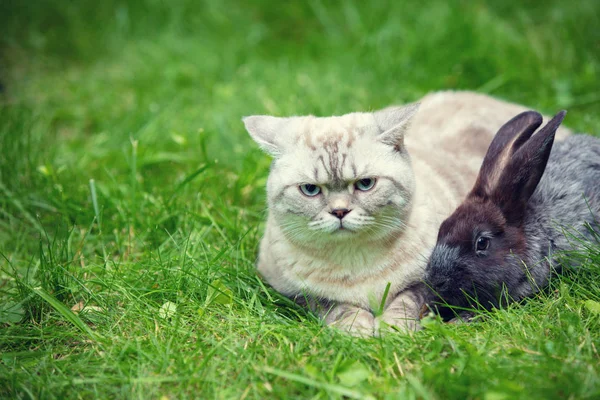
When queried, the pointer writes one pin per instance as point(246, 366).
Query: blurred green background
point(127, 183)
point(177, 76)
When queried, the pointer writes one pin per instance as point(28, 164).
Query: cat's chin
point(352, 234)
point(342, 230)
point(341, 233)
point(346, 230)
point(362, 233)
point(334, 237)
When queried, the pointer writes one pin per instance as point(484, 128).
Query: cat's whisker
point(389, 224)
point(393, 219)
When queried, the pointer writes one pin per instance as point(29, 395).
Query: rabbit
point(498, 245)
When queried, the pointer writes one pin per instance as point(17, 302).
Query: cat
point(355, 202)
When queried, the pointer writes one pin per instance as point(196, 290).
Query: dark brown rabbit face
point(473, 261)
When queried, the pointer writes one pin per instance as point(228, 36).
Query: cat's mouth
point(343, 228)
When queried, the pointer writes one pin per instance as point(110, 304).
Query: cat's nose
point(340, 212)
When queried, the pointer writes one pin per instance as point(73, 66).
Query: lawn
point(132, 200)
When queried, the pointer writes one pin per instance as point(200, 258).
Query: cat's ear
point(266, 131)
point(393, 122)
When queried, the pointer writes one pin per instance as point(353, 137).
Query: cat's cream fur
point(424, 163)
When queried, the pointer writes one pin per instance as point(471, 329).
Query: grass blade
point(330, 387)
point(187, 180)
point(66, 313)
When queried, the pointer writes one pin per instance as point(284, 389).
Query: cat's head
point(340, 178)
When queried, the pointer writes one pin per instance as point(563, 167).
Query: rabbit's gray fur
point(567, 199)
point(563, 210)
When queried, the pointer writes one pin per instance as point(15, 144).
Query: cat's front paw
point(360, 327)
point(390, 322)
point(403, 312)
point(356, 322)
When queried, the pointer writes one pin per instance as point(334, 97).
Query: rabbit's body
point(567, 199)
point(498, 245)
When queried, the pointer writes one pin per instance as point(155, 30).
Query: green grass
point(128, 186)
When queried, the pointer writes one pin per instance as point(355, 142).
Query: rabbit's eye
point(482, 243)
point(310, 190)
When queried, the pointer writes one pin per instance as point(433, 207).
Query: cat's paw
point(403, 312)
point(390, 323)
point(360, 323)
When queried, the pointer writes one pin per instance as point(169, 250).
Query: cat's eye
point(310, 190)
point(482, 243)
point(365, 184)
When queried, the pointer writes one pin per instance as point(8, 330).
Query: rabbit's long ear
point(507, 141)
point(524, 170)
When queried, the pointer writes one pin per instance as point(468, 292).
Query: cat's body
point(342, 246)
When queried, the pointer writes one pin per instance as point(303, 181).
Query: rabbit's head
point(478, 258)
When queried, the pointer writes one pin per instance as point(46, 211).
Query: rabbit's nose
point(438, 283)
